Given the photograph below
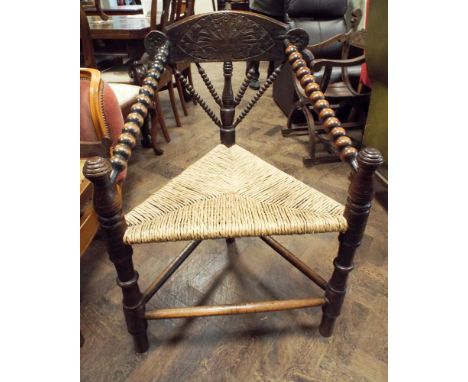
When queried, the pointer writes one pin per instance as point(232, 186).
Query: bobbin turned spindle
point(107, 198)
point(341, 141)
point(134, 121)
point(227, 130)
point(360, 192)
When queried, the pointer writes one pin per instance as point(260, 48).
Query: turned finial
point(370, 158)
point(97, 169)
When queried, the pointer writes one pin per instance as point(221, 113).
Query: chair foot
point(157, 150)
point(230, 240)
point(326, 326)
point(141, 342)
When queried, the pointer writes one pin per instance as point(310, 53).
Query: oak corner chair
point(217, 196)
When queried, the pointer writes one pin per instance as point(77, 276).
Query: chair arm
point(338, 38)
point(325, 63)
point(138, 112)
point(330, 123)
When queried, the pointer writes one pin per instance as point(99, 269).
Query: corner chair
point(230, 193)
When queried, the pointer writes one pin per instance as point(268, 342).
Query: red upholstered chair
point(101, 123)
point(123, 88)
point(100, 111)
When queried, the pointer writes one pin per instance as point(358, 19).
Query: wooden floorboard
point(282, 346)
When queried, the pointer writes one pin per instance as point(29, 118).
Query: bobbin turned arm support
point(330, 123)
point(138, 112)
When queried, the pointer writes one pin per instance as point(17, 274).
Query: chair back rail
point(226, 36)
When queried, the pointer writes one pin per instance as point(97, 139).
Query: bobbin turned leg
point(107, 204)
point(361, 192)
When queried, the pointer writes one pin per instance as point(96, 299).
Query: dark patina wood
point(228, 134)
point(86, 42)
point(358, 205)
point(226, 36)
point(103, 175)
point(108, 207)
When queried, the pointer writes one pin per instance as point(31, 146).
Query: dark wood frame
point(108, 203)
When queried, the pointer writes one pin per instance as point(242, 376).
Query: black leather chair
point(329, 30)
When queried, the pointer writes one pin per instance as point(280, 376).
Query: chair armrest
point(330, 123)
point(139, 110)
point(338, 38)
point(326, 63)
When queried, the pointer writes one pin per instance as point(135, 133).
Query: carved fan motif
point(218, 36)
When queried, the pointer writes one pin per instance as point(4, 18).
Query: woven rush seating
point(230, 192)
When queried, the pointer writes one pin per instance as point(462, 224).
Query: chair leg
point(290, 130)
point(108, 206)
point(154, 133)
point(230, 240)
point(145, 132)
point(181, 96)
point(170, 88)
point(312, 133)
point(361, 192)
point(160, 115)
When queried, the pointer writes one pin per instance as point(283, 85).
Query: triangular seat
point(230, 192)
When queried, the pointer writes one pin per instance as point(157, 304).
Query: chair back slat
point(226, 36)
point(175, 10)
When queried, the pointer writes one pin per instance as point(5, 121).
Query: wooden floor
point(282, 346)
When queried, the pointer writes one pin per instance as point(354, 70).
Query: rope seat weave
point(230, 192)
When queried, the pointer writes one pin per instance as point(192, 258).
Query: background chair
point(230, 192)
point(101, 123)
point(122, 78)
point(337, 68)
